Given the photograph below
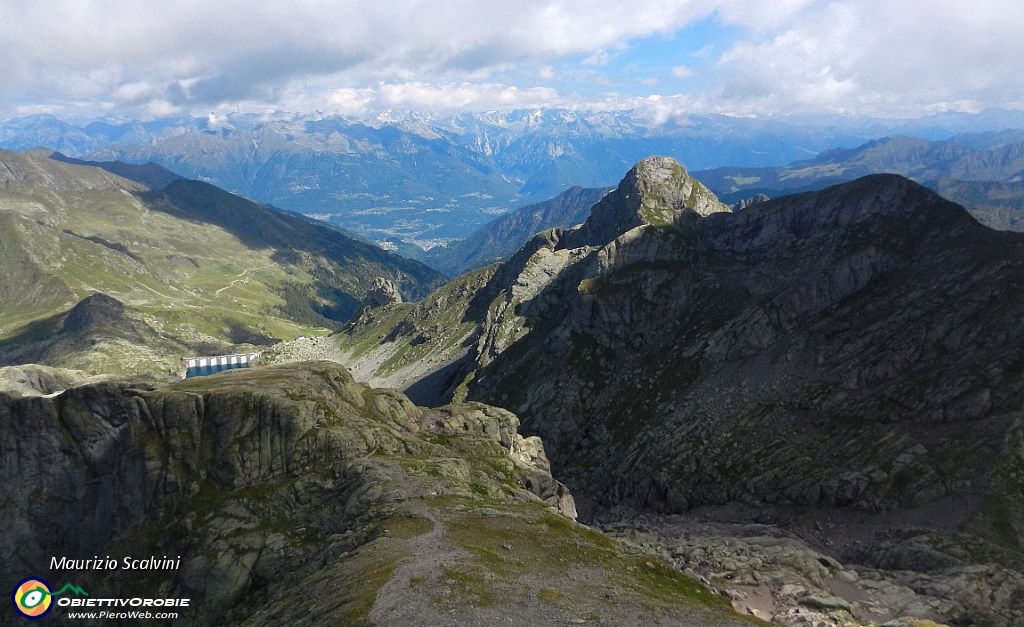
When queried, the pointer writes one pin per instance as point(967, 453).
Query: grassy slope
point(399, 344)
point(194, 262)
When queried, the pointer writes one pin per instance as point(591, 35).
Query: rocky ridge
point(981, 172)
point(294, 495)
point(846, 350)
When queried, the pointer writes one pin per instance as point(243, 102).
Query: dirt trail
point(238, 279)
point(399, 602)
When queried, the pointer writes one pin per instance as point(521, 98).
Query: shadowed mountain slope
point(151, 175)
point(828, 320)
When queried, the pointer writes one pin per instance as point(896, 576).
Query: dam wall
point(200, 366)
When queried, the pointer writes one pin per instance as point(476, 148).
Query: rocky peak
point(657, 191)
point(95, 310)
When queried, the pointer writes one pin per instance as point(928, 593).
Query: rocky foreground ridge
point(842, 363)
point(294, 495)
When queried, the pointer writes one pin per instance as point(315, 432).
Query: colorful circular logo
point(32, 598)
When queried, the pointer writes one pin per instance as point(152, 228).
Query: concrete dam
point(201, 366)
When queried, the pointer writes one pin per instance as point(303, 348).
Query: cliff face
point(841, 348)
point(293, 495)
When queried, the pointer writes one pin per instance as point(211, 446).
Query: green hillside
point(194, 264)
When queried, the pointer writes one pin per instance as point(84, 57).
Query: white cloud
point(450, 98)
point(681, 71)
point(231, 46)
point(874, 56)
point(881, 56)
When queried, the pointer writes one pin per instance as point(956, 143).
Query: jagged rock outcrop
point(37, 380)
point(749, 202)
point(382, 292)
point(528, 453)
point(657, 191)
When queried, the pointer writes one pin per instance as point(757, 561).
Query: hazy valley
point(430, 179)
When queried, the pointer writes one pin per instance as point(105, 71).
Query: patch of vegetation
point(241, 334)
point(528, 542)
point(302, 305)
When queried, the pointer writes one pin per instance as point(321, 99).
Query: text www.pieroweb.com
point(123, 615)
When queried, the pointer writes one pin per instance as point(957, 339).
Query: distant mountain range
point(427, 180)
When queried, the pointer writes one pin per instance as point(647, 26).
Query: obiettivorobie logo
point(33, 597)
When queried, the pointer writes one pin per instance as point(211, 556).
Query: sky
point(143, 59)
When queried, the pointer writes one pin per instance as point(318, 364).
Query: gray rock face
point(750, 202)
point(382, 292)
point(259, 480)
point(528, 453)
point(700, 364)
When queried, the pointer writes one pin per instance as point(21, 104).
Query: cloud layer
point(356, 57)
